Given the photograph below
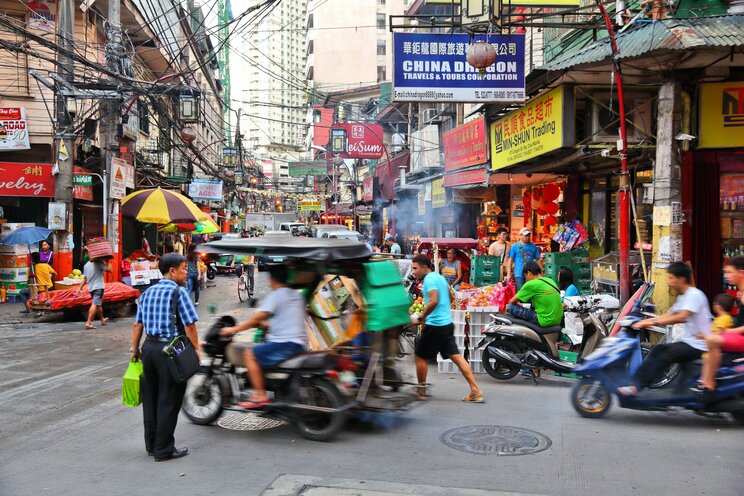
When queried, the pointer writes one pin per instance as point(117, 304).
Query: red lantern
point(188, 134)
point(481, 55)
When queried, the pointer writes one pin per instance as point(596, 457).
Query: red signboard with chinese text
point(364, 140)
point(465, 145)
point(477, 176)
point(19, 179)
point(368, 189)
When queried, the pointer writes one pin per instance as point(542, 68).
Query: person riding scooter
point(543, 294)
point(691, 308)
point(286, 338)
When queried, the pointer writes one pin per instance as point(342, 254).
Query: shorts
point(97, 296)
point(437, 339)
point(733, 342)
point(271, 354)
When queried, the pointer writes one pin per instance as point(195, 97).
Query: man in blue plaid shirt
point(161, 395)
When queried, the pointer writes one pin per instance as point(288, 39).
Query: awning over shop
point(522, 179)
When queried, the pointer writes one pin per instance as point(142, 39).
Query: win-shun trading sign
point(433, 68)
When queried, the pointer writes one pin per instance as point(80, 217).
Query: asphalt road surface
point(63, 431)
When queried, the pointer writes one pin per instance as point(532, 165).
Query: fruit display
point(418, 306)
point(76, 274)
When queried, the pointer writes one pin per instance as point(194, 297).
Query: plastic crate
point(459, 329)
point(480, 316)
point(484, 262)
point(447, 367)
point(458, 316)
point(558, 257)
point(477, 367)
point(568, 356)
point(461, 342)
point(484, 271)
point(480, 281)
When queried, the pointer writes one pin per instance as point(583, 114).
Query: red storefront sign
point(477, 176)
point(465, 145)
point(368, 186)
point(18, 179)
point(80, 192)
point(364, 140)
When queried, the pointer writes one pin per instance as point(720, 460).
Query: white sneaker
point(196, 304)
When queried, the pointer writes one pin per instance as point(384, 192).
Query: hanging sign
point(57, 216)
point(310, 206)
point(18, 179)
point(41, 15)
point(721, 114)
point(205, 189)
point(477, 176)
point(421, 203)
point(544, 124)
point(118, 179)
point(362, 140)
point(129, 168)
point(438, 195)
point(465, 145)
point(433, 68)
point(81, 188)
point(13, 129)
point(368, 185)
point(307, 168)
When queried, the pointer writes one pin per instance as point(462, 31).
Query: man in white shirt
point(691, 308)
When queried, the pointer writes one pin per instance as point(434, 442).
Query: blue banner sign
point(433, 68)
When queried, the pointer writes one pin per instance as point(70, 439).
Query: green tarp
point(387, 300)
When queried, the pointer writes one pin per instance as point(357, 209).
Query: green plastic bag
point(130, 384)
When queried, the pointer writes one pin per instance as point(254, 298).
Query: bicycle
point(245, 291)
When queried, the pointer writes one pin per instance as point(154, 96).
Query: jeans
point(250, 271)
point(519, 282)
point(24, 295)
point(523, 313)
point(661, 357)
point(193, 285)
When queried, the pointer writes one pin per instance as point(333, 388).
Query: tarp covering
point(68, 298)
point(320, 249)
point(387, 300)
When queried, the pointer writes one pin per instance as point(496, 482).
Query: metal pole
point(110, 115)
point(624, 192)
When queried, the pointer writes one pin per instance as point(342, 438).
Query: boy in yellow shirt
point(722, 305)
point(43, 273)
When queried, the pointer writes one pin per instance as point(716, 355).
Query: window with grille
point(13, 64)
point(381, 21)
point(381, 47)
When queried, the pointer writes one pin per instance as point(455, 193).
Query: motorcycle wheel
point(590, 400)
point(320, 426)
point(202, 402)
point(495, 369)
point(211, 273)
point(669, 374)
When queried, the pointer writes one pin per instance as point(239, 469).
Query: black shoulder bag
point(183, 361)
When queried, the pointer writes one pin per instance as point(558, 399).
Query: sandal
point(104, 321)
point(91, 327)
point(251, 404)
point(627, 390)
point(474, 398)
point(421, 392)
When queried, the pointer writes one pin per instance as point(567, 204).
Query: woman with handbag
point(167, 317)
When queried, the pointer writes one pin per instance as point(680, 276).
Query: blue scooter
point(615, 362)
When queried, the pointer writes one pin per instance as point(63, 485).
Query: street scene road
point(64, 431)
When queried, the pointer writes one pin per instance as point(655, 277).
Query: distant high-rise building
point(349, 43)
point(268, 80)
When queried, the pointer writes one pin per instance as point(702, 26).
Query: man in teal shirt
point(437, 334)
point(543, 294)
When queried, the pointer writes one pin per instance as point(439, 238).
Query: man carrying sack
point(165, 312)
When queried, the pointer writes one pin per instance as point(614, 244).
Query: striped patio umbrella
point(161, 206)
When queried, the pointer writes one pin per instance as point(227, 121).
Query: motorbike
point(306, 389)
point(512, 344)
point(211, 266)
point(615, 362)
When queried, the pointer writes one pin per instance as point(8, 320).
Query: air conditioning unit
point(431, 116)
point(639, 109)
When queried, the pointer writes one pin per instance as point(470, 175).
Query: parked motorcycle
point(615, 362)
point(306, 389)
point(512, 344)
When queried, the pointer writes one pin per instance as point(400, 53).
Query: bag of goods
point(99, 249)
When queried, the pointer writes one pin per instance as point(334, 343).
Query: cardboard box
point(13, 261)
point(14, 288)
point(9, 227)
point(18, 249)
point(14, 275)
point(140, 265)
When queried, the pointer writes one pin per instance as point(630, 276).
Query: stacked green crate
point(577, 261)
point(484, 270)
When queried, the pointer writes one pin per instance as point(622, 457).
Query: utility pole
point(109, 129)
point(65, 149)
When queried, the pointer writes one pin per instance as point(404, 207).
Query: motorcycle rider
point(691, 308)
point(286, 335)
point(542, 293)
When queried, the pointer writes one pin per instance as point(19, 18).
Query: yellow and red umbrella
point(161, 206)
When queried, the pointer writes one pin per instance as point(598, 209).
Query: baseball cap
point(525, 231)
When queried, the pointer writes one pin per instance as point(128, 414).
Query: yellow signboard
point(542, 125)
point(722, 114)
point(310, 206)
point(438, 198)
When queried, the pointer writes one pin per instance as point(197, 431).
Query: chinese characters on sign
point(368, 185)
point(542, 125)
point(465, 145)
point(17, 179)
point(722, 114)
point(205, 189)
point(13, 129)
point(307, 168)
point(433, 67)
point(477, 176)
point(362, 140)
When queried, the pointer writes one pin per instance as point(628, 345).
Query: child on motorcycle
point(284, 309)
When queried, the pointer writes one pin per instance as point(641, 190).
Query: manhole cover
point(501, 440)
point(247, 422)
